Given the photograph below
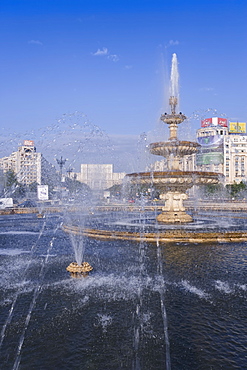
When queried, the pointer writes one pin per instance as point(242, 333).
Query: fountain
point(174, 223)
point(174, 183)
point(77, 270)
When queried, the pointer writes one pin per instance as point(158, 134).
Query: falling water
point(9, 318)
point(33, 302)
point(138, 316)
point(162, 306)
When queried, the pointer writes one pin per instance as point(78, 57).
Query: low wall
point(234, 206)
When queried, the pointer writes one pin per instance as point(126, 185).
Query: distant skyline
point(111, 61)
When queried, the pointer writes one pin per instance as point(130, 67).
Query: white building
point(25, 163)
point(210, 156)
point(28, 165)
point(235, 158)
point(223, 149)
point(99, 176)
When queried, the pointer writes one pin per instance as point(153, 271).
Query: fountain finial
point(173, 101)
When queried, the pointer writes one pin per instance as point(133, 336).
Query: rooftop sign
point(214, 121)
point(28, 142)
point(237, 127)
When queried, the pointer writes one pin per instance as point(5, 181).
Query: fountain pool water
point(146, 306)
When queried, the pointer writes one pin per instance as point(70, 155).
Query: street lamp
point(61, 162)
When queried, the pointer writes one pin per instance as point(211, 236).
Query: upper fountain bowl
point(173, 118)
point(173, 147)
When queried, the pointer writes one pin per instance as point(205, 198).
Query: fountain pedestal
point(173, 211)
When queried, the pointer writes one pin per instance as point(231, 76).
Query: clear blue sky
point(111, 61)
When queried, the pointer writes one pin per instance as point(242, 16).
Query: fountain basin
point(168, 236)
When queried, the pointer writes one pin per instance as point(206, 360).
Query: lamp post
point(61, 162)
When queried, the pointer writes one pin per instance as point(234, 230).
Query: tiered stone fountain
point(174, 182)
point(173, 224)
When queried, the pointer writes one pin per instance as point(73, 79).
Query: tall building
point(235, 158)
point(26, 163)
point(210, 156)
point(223, 149)
point(99, 176)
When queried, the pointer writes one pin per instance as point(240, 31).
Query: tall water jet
point(174, 79)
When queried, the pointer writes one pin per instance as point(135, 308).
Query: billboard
point(215, 140)
point(28, 142)
point(209, 158)
point(222, 122)
point(237, 127)
point(206, 122)
point(214, 121)
point(42, 191)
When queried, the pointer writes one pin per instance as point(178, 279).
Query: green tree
point(77, 188)
point(237, 190)
point(10, 179)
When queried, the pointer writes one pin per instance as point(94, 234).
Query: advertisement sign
point(237, 127)
point(214, 121)
point(206, 122)
point(28, 142)
point(209, 158)
point(42, 192)
point(215, 140)
point(222, 122)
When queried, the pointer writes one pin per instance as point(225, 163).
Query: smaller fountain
point(77, 271)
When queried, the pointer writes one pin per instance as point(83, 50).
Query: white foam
point(242, 286)
point(48, 255)
point(192, 289)
point(110, 286)
point(104, 321)
point(17, 232)
point(12, 252)
point(223, 286)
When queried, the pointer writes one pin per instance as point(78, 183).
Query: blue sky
point(111, 61)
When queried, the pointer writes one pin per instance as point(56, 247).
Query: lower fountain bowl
point(174, 180)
